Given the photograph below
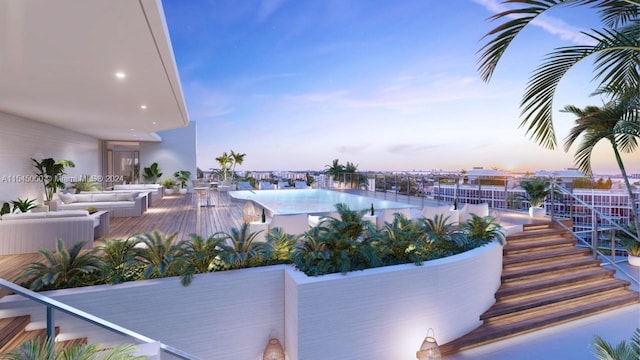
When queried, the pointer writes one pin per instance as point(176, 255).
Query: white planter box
point(380, 313)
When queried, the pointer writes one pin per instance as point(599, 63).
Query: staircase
point(13, 332)
point(546, 280)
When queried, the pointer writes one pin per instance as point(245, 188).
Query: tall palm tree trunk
point(634, 212)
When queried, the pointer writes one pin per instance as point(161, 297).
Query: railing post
point(51, 328)
point(613, 246)
point(553, 188)
point(594, 234)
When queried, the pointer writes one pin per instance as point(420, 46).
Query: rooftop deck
point(183, 214)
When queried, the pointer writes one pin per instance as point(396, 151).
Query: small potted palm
point(631, 245)
point(169, 186)
point(182, 177)
point(536, 191)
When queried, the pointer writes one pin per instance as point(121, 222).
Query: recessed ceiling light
point(131, 129)
point(143, 107)
point(153, 122)
point(120, 75)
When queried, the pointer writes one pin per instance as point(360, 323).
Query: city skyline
point(386, 86)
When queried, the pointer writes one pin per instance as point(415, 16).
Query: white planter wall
point(381, 313)
point(384, 313)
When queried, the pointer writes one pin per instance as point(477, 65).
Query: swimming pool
point(312, 201)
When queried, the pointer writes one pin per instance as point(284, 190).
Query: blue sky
point(386, 85)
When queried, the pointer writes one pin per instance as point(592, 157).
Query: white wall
point(22, 139)
point(177, 151)
point(384, 313)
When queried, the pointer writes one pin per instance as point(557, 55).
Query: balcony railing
point(53, 305)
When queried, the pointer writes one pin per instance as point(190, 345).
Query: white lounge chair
point(265, 185)
point(301, 185)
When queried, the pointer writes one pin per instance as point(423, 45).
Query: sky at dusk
point(386, 85)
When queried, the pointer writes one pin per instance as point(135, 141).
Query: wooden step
point(553, 242)
point(561, 278)
point(25, 336)
point(549, 268)
point(552, 315)
point(538, 234)
point(11, 327)
point(538, 226)
point(564, 252)
point(70, 343)
point(550, 296)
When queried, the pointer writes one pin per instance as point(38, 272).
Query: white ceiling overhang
point(58, 60)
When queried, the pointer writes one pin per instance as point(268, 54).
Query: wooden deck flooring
point(181, 214)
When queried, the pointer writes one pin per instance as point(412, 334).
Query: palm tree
point(160, 255)
point(623, 351)
point(616, 121)
point(37, 349)
point(282, 245)
point(62, 268)
point(239, 249)
point(236, 159)
point(225, 162)
point(616, 49)
point(335, 169)
point(536, 191)
point(118, 259)
point(201, 256)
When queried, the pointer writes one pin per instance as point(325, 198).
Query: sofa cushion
point(104, 197)
point(430, 212)
point(67, 198)
point(84, 197)
point(67, 213)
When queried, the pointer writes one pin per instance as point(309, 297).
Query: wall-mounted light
point(273, 350)
point(429, 349)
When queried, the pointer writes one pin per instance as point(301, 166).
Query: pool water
point(312, 201)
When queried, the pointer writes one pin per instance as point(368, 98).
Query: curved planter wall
point(381, 313)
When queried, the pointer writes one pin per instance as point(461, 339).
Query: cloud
point(550, 24)
point(413, 148)
point(268, 7)
point(205, 103)
point(353, 149)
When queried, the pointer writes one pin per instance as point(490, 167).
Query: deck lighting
point(429, 349)
point(273, 350)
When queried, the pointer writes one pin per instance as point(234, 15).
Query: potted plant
point(84, 184)
point(631, 245)
point(23, 205)
point(182, 177)
point(169, 186)
point(152, 173)
point(536, 191)
point(50, 173)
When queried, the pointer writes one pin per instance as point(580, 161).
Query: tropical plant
point(225, 162)
point(201, 256)
point(236, 159)
point(335, 169)
point(623, 351)
point(536, 191)
point(50, 172)
point(62, 268)
point(23, 205)
point(618, 122)
point(239, 248)
point(481, 230)
point(616, 48)
point(400, 241)
point(162, 258)
point(6, 208)
point(182, 177)
point(168, 183)
point(447, 239)
point(349, 222)
point(282, 245)
point(312, 254)
point(39, 349)
point(85, 184)
point(152, 173)
point(628, 242)
point(118, 260)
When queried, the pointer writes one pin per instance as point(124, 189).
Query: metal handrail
point(594, 248)
point(53, 304)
